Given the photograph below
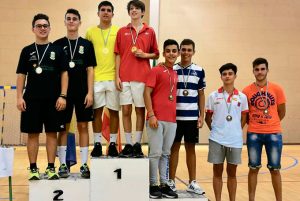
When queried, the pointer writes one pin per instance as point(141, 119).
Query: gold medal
point(133, 49)
point(266, 111)
point(72, 64)
point(185, 92)
point(171, 97)
point(228, 117)
point(38, 70)
point(105, 50)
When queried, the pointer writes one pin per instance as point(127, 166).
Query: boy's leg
point(217, 180)
point(51, 144)
point(174, 158)
point(231, 181)
point(191, 160)
point(32, 147)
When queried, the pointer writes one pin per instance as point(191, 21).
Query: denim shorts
point(273, 147)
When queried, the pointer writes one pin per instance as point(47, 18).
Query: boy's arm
point(281, 111)
point(21, 104)
point(61, 101)
point(118, 80)
point(201, 107)
point(148, 104)
point(208, 119)
point(90, 83)
point(244, 119)
point(139, 53)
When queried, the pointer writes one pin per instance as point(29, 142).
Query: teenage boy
point(225, 117)
point(266, 110)
point(81, 59)
point(135, 45)
point(189, 113)
point(42, 66)
point(160, 101)
point(103, 37)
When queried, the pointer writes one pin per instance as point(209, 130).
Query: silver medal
point(266, 111)
point(72, 64)
point(228, 117)
point(39, 70)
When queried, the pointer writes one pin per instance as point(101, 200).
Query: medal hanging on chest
point(72, 53)
point(39, 69)
point(105, 49)
point(185, 92)
point(228, 106)
point(172, 84)
point(134, 46)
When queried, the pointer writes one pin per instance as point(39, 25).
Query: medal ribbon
point(185, 81)
point(260, 94)
point(72, 53)
point(137, 33)
point(38, 55)
point(230, 98)
point(105, 40)
point(170, 79)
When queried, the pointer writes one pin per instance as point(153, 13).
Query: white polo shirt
point(227, 133)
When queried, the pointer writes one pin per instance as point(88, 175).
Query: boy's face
point(72, 22)
point(135, 13)
point(228, 77)
point(260, 72)
point(105, 14)
point(171, 53)
point(186, 52)
point(41, 29)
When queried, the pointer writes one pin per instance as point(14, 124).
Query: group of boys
point(111, 68)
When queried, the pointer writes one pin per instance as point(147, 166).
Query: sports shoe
point(85, 171)
point(155, 192)
point(51, 174)
point(97, 150)
point(112, 150)
point(137, 151)
point(34, 174)
point(193, 187)
point(63, 171)
point(171, 184)
point(127, 151)
point(167, 192)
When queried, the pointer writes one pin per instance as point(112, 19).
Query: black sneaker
point(85, 171)
point(127, 152)
point(167, 191)
point(155, 192)
point(137, 151)
point(112, 150)
point(97, 150)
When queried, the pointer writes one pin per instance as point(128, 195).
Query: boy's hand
point(88, 101)
point(200, 122)
point(21, 104)
point(140, 54)
point(153, 122)
point(118, 84)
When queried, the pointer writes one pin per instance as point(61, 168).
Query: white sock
point(62, 153)
point(138, 136)
point(84, 152)
point(113, 137)
point(128, 137)
point(98, 137)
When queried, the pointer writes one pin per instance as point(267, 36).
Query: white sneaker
point(193, 187)
point(171, 184)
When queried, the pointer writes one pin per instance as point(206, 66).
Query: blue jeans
point(273, 146)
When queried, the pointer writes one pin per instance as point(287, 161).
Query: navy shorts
point(273, 146)
point(188, 130)
point(41, 113)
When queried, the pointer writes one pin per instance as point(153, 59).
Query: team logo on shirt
point(260, 101)
point(52, 55)
point(194, 73)
point(33, 58)
point(81, 49)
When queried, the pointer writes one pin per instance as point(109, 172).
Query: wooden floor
point(290, 175)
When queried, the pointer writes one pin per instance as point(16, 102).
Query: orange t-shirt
point(259, 122)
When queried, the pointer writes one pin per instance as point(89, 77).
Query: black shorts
point(41, 113)
point(189, 130)
point(82, 114)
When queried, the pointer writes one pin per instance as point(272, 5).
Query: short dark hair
point(188, 42)
point(170, 42)
point(106, 3)
point(259, 61)
point(137, 4)
point(40, 16)
point(228, 66)
point(73, 11)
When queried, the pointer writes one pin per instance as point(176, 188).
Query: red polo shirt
point(131, 67)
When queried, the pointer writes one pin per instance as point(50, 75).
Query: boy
point(160, 101)
point(44, 68)
point(81, 58)
point(103, 37)
point(189, 113)
point(225, 117)
point(135, 45)
point(266, 110)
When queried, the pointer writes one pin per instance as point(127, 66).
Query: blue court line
point(295, 163)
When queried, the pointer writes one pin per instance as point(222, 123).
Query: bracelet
point(64, 96)
point(151, 116)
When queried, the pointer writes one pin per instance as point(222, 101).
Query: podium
point(72, 188)
point(119, 179)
